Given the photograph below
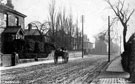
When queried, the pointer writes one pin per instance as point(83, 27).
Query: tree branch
point(130, 15)
point(112, 7)
point(122, 15)
point(122, 4)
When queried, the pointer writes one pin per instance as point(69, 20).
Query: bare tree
point(123, 15)
point(70, 27)
point(45, 27)
point(1, 1)
point(103, 35)
point(52, 16)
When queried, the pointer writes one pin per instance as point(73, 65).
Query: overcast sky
point(94, 11)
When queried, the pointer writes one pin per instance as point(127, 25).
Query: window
point(3, 20)
point(16, 21)
point(13, 37)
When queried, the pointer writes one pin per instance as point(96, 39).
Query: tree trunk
point(124, 36)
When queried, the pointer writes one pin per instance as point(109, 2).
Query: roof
point(4, 8)
point(32, 32)
point(13, 29)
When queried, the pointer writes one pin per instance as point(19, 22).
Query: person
point(64, 49)
point(14, 59)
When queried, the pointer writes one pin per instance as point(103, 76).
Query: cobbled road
point(78, 71)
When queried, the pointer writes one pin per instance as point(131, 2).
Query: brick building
point(11, 25)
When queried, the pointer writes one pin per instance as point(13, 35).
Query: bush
point(128, 58)
point(36, 48)
point(47, 48)
point(27, 56)
point(39, 47)
point(124, 61)
point(29, 46)
point(132, 62)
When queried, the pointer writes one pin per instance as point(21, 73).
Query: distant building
point(87, 46)
point(100, 47)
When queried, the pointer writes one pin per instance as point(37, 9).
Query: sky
point(95, 13)
point(38, 10)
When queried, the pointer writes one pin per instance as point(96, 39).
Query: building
point(9, 35)
point(87, 45)
point(100, 47)
point(10, 17)
point(11, 26)
point(35, 34)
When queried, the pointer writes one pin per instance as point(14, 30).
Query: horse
point(61, 52)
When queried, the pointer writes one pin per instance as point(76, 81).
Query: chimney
point(9, 4)
point(29, 27)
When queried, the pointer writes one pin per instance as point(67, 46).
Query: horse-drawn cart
point(61, 52)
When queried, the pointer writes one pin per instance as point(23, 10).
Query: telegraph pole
point(108, 38)
point(120, 44)
point(82, 34)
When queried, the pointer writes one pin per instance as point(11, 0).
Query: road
point(77, 71)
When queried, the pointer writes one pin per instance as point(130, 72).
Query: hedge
point(33, 49)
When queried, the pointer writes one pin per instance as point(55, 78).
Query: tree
point(61, 25)
point(1, 1)
point(52, 16)
point(123, 14)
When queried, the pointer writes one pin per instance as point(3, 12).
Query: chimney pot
point(9, 4)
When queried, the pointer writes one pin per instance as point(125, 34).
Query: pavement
point(113, 74)
point(73, 56)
